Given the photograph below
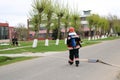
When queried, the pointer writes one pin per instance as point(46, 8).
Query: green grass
point(8, 60)
point(22, 43)
point(42, 48)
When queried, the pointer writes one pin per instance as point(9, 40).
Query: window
point(4, 33)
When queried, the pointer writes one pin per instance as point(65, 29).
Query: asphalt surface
point(55, 66)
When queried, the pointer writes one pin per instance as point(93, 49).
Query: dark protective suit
point(73, 51)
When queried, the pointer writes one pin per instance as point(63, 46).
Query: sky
point(16, 12)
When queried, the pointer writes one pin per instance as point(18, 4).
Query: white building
point(84, 22)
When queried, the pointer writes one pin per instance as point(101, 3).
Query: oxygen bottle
point(73, 42)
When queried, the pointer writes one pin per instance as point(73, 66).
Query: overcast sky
point(17, 11)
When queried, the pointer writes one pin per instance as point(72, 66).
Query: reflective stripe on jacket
point(77, 40)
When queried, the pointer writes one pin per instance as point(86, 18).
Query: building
point(41, 36)
point(4, 31)
point(85, 23)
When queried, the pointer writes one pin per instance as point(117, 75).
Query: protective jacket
point(77, 40)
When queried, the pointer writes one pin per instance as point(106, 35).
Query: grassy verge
point(42, 48)
point(7, 60)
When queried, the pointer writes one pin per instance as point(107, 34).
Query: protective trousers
point(74, 54)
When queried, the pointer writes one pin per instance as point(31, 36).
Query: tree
point(35, 22)
point(103, 25)
point(66, 20)
point(49, 9)
point(112, 22)
point(75, 21)
point(93, 23)
point(36, 15)
point(117, 26)
point(22, 32)
point(59, 11)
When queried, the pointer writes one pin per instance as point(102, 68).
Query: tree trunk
point(90, 37)
point(46, 42)
point(57, 41)
point(58, 36)
point(47, 38)
point(34, 43)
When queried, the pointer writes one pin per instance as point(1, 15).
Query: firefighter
point(73, 44)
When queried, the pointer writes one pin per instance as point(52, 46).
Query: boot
point(70, 62)
point(77, 63)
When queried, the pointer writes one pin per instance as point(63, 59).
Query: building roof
point(4, 24)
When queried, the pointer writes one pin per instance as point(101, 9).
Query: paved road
point(55, 67)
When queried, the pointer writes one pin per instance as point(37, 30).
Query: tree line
point(55, 15)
